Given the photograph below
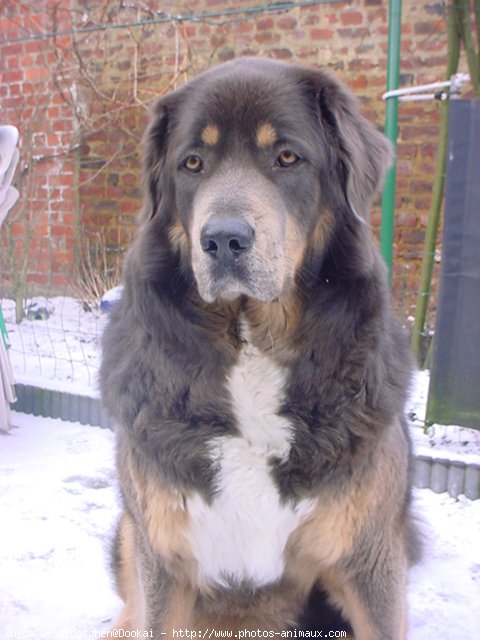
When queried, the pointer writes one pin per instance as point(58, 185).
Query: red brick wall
point(38, 236)
point(117, 72)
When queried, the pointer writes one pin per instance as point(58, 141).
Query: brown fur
point(128, 581)
point(266, 135)
point(178, 237)
point(321, 315)
point(210, 135)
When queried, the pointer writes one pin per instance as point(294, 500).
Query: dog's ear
point(155, 144)
point(363, 153)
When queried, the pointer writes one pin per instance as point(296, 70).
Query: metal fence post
point(391, 131)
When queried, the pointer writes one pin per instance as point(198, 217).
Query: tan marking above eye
point(266, 135)
point(210, 135)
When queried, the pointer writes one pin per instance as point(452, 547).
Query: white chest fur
point(242, 534)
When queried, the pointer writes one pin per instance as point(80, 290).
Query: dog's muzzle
point(240, 238)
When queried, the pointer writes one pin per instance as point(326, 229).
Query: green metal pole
point(391, 131)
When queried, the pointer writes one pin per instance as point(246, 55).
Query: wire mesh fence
point(57, 344)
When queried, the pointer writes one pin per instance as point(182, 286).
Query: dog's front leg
point(373, 600)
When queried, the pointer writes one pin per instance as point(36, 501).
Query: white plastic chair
point(9, 156)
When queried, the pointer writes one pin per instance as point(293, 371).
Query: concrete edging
point(430, 472)
point(59, 404)
point(440, 474)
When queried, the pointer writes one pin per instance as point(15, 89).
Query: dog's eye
point(287, 158)
point(193, 163)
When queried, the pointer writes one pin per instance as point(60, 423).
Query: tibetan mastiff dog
point(256, 373)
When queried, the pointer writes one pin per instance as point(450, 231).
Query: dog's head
point(250, 164)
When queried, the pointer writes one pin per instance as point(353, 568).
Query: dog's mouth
point(229, 262)
point(227, 289)
point(227, 281)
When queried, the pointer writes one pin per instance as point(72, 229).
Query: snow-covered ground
point(59, 505)
point(59, 501)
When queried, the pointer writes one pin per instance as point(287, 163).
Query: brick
point(418, 133)
point(264, 23)
point(15, 89)
point(430, 27)
point(286, 23)
point(17, 229)
point(307, 52)
point(331, 18)
point(412, 251)
point(358, 82)
point(311, 19)
point(361, 64)
point(359, 32)
point(420, 186)
point(406, 220)
point(62, 125)
point(244, 27)
point(12, 63)
point(351, 18)
point(189, 30)
point(33, 46)
point(432, 44)
point(36, 74)
point(13, 49)
point(282, 54)
point(321, 34)
point(129, 206)
point(62, 230)
point(407, 150)
point(129, 180)
point(14, 75)
point(267, 37)
point(60, 280)
point(114, 192)
point(37, 278)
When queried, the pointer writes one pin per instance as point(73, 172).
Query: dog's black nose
point(226, 239)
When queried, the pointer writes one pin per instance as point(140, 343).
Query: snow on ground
point(441, 441)
point(59, 505)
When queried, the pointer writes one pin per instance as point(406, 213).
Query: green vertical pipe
point(391, 131)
